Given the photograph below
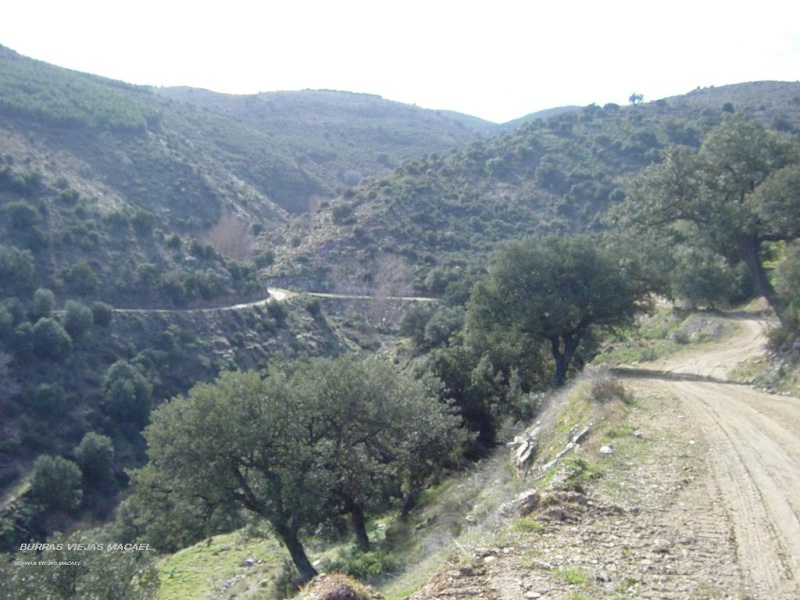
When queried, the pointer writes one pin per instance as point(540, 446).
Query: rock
point(532, 595)
point(661, 546)
point(638, 434)
point(606, 450)
point(527, 502)
point(689, 538)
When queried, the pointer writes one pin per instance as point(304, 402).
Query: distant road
point(275, 295)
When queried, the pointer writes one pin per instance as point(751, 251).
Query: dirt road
point(754, 442)
point(708, 510)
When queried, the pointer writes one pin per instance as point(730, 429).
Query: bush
point(606, 388)
point(51, 340)
point(102, 313)
point(56, 483)
point(264, 259)
point(78, 319)
point(365, 565)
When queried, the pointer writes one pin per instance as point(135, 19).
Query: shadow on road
point(628, 373)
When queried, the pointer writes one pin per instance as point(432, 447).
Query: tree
point(78, 319)
point(299, 444)
point(81, 278)
point(735, 195)
point(254, 438)
point(555, 290)
point(127, 396)
point(95, 457)
point(387, 428)
point(44, 301)
point(50, 340)
point(635, 98)
point(56, 483)
point(17, 270)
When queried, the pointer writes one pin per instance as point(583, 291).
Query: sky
point(498, 60)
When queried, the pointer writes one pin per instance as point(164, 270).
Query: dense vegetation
point(445, 214)
point(127, 215)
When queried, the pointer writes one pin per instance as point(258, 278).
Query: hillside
point(341, 137)
point(144, 230)
point(114, 199)
point(446, 213)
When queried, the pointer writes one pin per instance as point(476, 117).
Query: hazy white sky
point(498, 59)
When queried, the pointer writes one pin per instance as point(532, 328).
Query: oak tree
point(555, 290)
point(736, 194)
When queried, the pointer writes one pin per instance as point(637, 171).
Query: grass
point(201, 570)
point(528, 525)
point(571, 576)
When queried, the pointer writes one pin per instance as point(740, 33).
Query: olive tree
point(56, 483)
point(387, 429)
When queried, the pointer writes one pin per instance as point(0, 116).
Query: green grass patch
point(201, 570)
point(571, 575)
point(528, 525)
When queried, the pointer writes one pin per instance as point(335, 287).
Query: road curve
point(754, 441)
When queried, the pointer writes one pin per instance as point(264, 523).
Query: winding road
point(754, 441)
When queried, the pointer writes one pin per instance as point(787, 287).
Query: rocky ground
point(699, 499)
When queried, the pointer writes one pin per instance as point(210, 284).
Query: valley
point(306, 326)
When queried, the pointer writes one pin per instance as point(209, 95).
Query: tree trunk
point(304, 567)
point(563, 356)
point(748, 252)
point(409, 501)
point(359, 526)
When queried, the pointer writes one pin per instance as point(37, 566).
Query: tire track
point(754, 441)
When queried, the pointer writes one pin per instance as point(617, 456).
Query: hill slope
point(557, 175)
point(341, 137)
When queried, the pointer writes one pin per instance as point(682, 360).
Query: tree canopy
point(734, 195)
point(555, 290)
point(299, 443)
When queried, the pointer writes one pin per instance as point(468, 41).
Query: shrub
point(56, 483)
point(365, 565)
point(606, 388)
point(102, 313)
point(78, 319)
point(51, 340)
